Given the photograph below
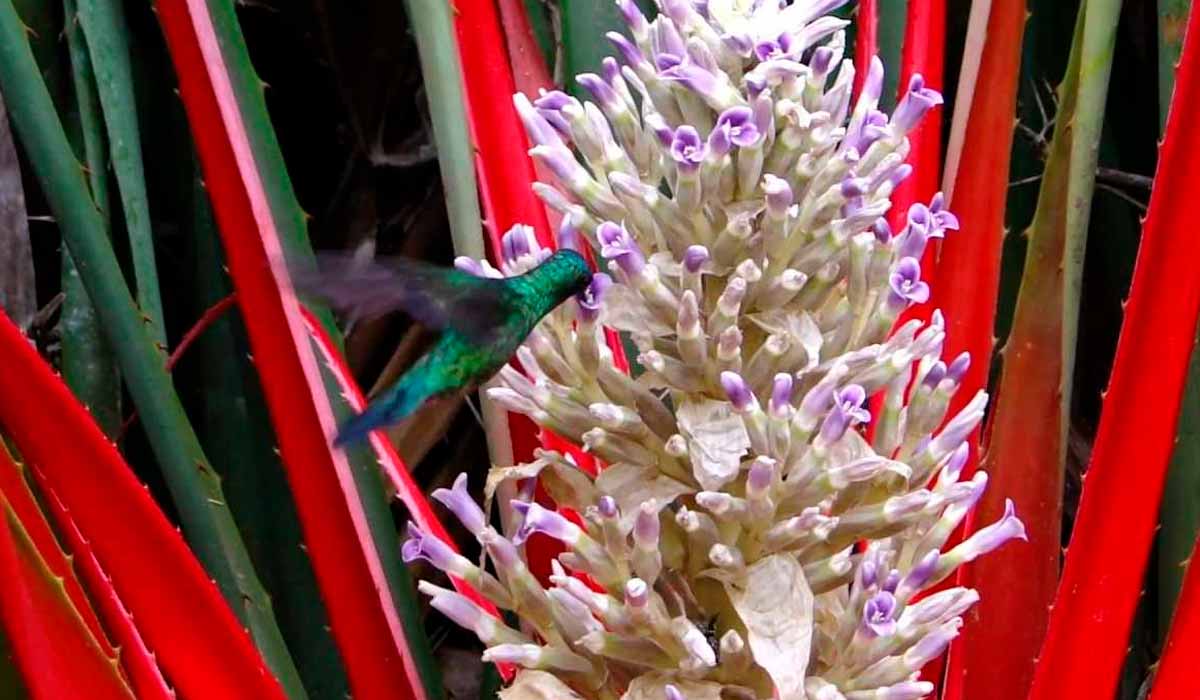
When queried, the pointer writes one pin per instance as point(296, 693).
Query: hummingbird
point(482, 320)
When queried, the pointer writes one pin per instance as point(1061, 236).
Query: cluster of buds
point(746, 538)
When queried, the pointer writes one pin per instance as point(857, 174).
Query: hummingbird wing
point(437, 297)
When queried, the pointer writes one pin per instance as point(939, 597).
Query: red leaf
point(1176, 676)
point(139, 662)
point(21, 500)
point(362, 612)
point(924, 53)
point(968, 262)
point(866, 41)
point(1086, 643)
point(183, 617)
point(394, 469)
point(57, 656)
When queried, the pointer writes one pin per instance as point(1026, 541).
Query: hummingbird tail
point(390, 408)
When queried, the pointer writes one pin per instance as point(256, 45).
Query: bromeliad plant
point(756, 533)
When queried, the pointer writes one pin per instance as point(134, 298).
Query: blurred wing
point(437, 297)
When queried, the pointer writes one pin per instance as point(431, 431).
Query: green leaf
point(106, 35)
point(236, 431)
point(194, 485)
point(88, 365)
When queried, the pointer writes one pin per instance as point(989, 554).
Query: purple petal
point(548, 522)
point(739, 125)
point(694, 258)
point(916, 102)
point(458, 500)
point(591, 299)
point(605, 95)
point(879, 614)
point(687, 149)
point(738, 391)
point(616, 244)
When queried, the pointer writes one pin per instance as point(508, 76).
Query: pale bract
point(758, 528)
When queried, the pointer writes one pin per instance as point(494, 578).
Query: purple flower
point(535, 518)
point(942, 218)
point(421, 545)
point(821, 62)
point(666, 61)
point(607, 506)
point(960, 426)
point(540, 131)
point(717, 92)
point(568, 235)
point(616, 244)
point(954, 465)
point(958, 368)
point(591, 299)
point(687, 149)
point(739, 127)
point(879, 615)
point(694, 258)
point(518, 242)
point(872, 86)
point(667, 39)
point(471, 266)
point(760, 476)
point(646, 527)
point(611, 70)
point(658, 126)
point(633, 16)
point(630, 53)
point(911, 241)
point(892, 177)
point(931, 645)
point(1008, 527)
point(915, 103)
point(918, 575)
point(738, 391)
point(461, 610)
point(637, 593)
point(458, 500)
point(779, 195)
point(781, 395)
point(935, 375)
point(906, 284)
point(847, 411)
point(605, 96)
point(739, 43)
point(779, 47)
point(882, 230)
point(551, 106)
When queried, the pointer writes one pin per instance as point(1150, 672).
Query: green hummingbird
point(483, 320)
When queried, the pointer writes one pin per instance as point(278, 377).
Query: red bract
point(37, 529)
point(1176, 676)
point(968, 262)
point(866, 40)
point(56, 654)
point(1114, 527)
point(138, 661)
point(394, 469)
point(196, 639)
point(359, 600)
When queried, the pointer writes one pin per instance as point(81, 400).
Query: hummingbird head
point(566, 272)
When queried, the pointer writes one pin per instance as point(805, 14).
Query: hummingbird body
point(483, 321)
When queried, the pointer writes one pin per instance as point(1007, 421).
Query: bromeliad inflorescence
point(746, 538)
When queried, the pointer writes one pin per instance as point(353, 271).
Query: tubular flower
point(737, 193)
